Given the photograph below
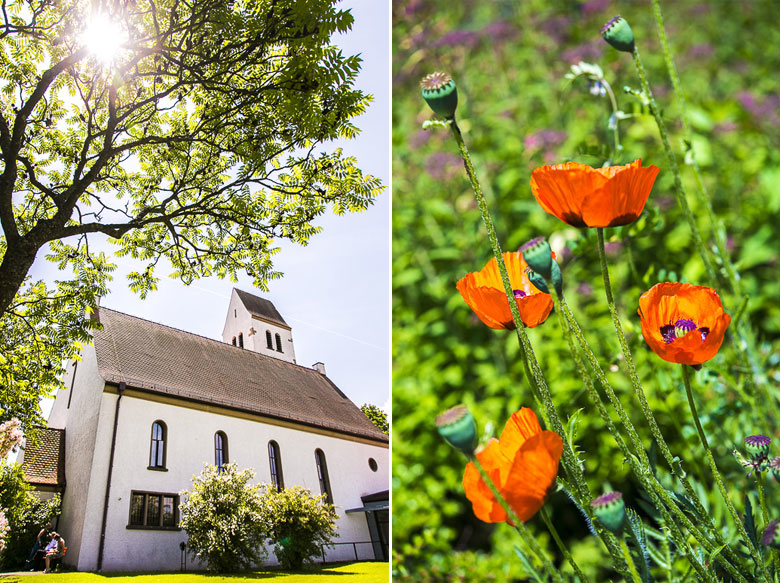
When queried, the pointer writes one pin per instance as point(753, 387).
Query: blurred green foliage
point(518, 112)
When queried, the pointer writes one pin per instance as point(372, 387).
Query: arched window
point(240, 340)
point(234, 340)
point(278, 343)
point(159, 437)
point(276, 465)
point(220, 449)
point(269, 340)
point(322, 474)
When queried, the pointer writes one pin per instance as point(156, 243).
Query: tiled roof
point(168, 361)
point(261, 307)
point(44, 461)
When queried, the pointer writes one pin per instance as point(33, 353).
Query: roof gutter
point(122, 387)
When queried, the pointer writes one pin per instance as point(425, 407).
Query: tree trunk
point(18, 259)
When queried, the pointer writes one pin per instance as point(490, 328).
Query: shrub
point(223, 517)
point(298, 524)
point(377, 416)
point(25, 514)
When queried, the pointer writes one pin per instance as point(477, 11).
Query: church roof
point(44, 460)
point(261, 307)
point(158, 359)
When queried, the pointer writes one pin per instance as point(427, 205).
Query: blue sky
point(335, 293)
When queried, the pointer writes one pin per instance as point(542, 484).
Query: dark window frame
point(154, 462)
point(322, 475)
point(143, 525)
point(275, 461)
point(269, 340)
point(240, 339)
point(234, 341)
point(279, 343)
point(221, 439)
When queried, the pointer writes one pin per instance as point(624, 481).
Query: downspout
point(122, 387)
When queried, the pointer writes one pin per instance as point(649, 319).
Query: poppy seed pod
point(457, 426)
point(757, 446)
point(538, 255)
point(618, 33)
point(540, 283)
point(439, 91)
point(771, 536)
point(610, 509)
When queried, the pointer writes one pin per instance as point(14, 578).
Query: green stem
point(640, 463)
point(615, 132)
point(654, 489)
point(761, 497)
point(637, 385)
point(682, 199)
point(703, 195)
point(718, 478)
point(561, 546)
point(630, 560)
point(533, 372)
point(518, 524)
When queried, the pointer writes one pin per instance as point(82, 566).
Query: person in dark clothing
point(40, 543)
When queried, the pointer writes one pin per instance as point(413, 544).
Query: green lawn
point(349, 573)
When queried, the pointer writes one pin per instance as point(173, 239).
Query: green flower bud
point(618, 33)
point(757, 447)
point(610, 509)
point(538, 256)
point(771, 536)
point(541, 284)
point(457, 426)
point(439, 90)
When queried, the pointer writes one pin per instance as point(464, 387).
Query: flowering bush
point(224, 520)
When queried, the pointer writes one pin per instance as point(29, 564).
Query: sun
point(104, 38)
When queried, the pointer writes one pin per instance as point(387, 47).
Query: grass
point(348, 573)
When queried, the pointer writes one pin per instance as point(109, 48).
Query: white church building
point(147, 405)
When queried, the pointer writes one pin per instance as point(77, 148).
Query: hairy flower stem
point(638, 391)
point(703, 195)
point(630, 560)
point(719, 479)
point(562, 547)
point(529, 539)
point(762, 497)
point(659, 495)
point(679, 189)
point(533, 372)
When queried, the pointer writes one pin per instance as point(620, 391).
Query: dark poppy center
point(519, 294)
point(680, 328)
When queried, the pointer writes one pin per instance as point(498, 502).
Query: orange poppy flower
point(683, 323)
point(522, 463)
point(484, 293)
point(593, 197)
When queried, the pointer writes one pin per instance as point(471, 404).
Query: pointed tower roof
point(261, 308)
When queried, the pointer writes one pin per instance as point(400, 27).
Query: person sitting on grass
point(55, 550)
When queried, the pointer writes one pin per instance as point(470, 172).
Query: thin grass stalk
point(562, 547)
point(762, 497)
point(529, 539)
point(756, 556)
point(679, 189)
point(630, 560)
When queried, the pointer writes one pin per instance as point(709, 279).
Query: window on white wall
point(322, 475)
point(157, 454)
point(240, 340)
point(269, 341)
point(278, 343)
point(153, 510)
point(220, 449)
point(275, 459)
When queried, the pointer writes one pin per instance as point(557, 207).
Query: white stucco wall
point(82, 421)
point(239, 320)
point(191, 444)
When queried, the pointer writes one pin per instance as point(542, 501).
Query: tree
point(224, 519)
point(298, 523)
point(199, 137)
point(377, 416)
